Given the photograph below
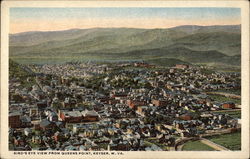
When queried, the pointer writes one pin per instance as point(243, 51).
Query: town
point(120, 106)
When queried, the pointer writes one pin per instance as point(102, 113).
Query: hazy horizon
point(114, 28)
point(58, 19)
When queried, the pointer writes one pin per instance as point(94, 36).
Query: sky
point(50, 19)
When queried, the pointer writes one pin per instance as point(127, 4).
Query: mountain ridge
point(107, 42)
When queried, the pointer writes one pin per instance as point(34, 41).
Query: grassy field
point(230, 141)
point(235, 114)
point(34, 145)
point(220, 98)
point(231, 91)
point(196, 146)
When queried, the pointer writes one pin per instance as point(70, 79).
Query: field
point(235, 114)
point(230, 141)
point(196, 146)
point(220, 98)
point(231, 91)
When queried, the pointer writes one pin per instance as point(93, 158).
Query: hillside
point(191, 44)
point(181, 53)
point(16, 70)
point(192, 29)
point(103, 40)
point(227, 43)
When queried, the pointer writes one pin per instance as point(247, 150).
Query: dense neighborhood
point(123, 106)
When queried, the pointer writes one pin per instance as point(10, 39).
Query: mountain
point(105, 40)
point(181, 53)
point(38, 37)
point(225, 42)
point(192, 29)
point(190, 44)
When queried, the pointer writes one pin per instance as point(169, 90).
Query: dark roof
point(25, 119)
point(44, 123)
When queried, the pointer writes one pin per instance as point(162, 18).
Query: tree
point(57, 105)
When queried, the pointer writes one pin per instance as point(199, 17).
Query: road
point(204, 141)
point(213, 145)
point(226, 94)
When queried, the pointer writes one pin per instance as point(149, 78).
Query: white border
point(244, 5)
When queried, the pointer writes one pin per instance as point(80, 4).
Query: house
point(58, 136)
point(82, 148)
point(104, 100)
point(70, 148)
point(41, 105)
point(52, 116)
point(33, 111)
point(113, 101)
point(186, 117)
point(27, 131)
point(26, 121)
point(133, 104)
point(142, 109)
point(123, 146)
point(118, 95)
point(153, 148)
point(19, 141)
point(46, 125)
point(159, 102)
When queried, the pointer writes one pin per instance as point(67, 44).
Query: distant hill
point(38, 37)
point(192, 29)
point(190, 44)
point(180, 53)
point(225, 42)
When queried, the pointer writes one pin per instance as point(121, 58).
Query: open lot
point(196, 146)
point(231, 91)
point(220, 98)
point(230, 141)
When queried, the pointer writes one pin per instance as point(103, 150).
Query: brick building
point(14, 120)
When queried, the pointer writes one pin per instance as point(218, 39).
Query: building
point(71, 116)
point(181, 66)
point(90, 115)
point(141, 109)
point(33, 111)
point(228, 105)
point(159, 102)
point(133, 104)
point(186, 117)
point(46, 125)
point(14, 120)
